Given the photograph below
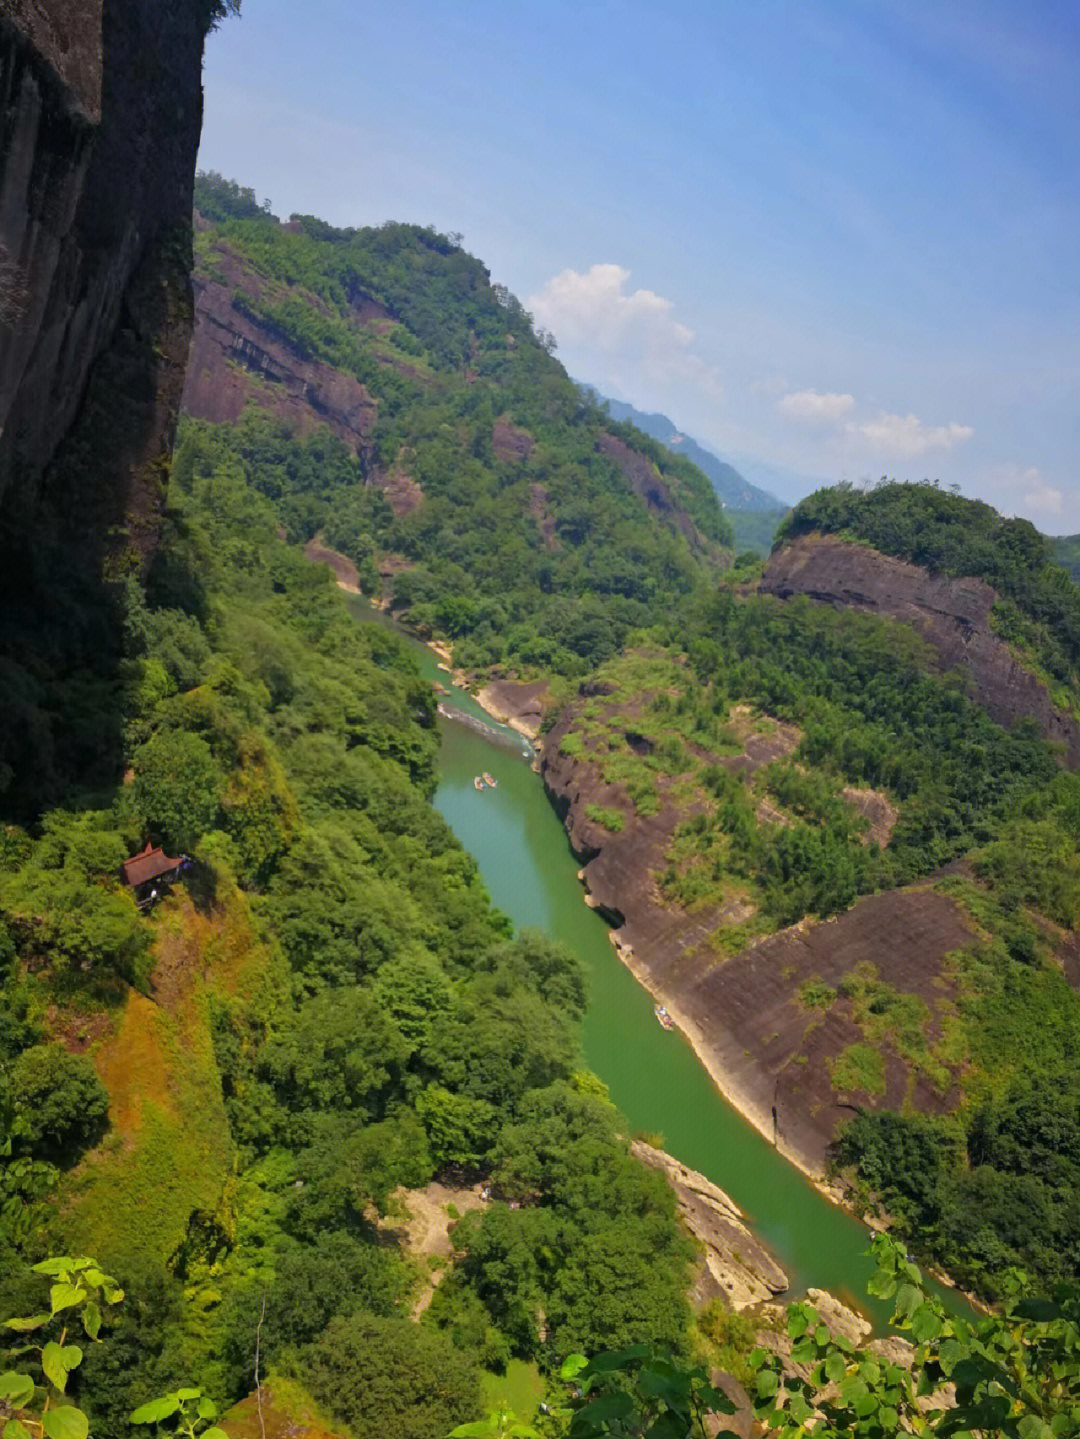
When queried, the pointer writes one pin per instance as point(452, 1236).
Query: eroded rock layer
point(736, 1266)
point(752, 1017)
point(952, 614)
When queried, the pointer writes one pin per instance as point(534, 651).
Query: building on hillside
point(151, 870)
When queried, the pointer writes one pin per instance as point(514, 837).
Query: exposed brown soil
point(343, 568)
point(425, 1233)
point(399, 487)
point(545, 520)
point(877, 809)
point(511, 443)
point(952, 614)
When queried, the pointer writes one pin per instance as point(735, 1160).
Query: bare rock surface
point(739, 1268)
point(99, 127)
point(236, 360)
point(953, 615)
point(771, 1051)
point(519, 705)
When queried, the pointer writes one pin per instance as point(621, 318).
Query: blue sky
point(835, 238)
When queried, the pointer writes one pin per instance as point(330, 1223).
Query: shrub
point(60, 1099)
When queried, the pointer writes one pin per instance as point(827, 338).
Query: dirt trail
point(425, 1233)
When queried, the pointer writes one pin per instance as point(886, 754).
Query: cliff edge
point(99, 128)
point(954, 615)
point(100, 114)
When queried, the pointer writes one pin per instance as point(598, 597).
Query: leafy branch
point(36, 1408)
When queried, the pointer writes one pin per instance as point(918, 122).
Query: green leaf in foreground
point(65, 1423)
point(155, 1410)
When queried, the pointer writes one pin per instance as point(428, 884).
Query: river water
point(653, 1076)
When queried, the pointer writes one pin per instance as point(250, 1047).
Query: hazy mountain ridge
point(735, 491)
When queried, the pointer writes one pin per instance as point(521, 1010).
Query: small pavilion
point(152, 867)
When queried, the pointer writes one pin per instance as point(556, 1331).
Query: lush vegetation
point(1015, 1374)
point(1039, 608)
point(547, 533)
point(664, 726)
point(337, 1012)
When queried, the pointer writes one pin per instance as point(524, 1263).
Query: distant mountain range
point(736, 492)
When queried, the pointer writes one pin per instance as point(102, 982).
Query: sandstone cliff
point(952, 614)
point(100, 113)
point(736, 1267)
point(237, 360)
point(772, 1054)
point(101, 120)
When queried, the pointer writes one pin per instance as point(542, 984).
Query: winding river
point(653, 1076)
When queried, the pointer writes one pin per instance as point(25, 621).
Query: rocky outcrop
point(771, 1050)
point(953, 615)
point(649, 485)
point(99, 127)
point(100, 113)
point(510, 443)
point(237, 360)
point(521, 706)
point(736, 1265)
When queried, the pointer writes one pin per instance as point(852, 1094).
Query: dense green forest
point(547, 532)
point(1038, 609)
point(336, 1011)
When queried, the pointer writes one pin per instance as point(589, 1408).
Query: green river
point(653, 1076)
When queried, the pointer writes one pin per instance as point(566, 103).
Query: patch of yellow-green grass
point(283, 1407)
point(520, 1389)
point(168, 1152)
point(885, 1013)
point(612, 820)
point(858, 1067)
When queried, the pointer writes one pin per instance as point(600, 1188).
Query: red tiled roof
point(148, 865)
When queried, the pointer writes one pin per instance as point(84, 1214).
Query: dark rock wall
point(952, 614)
point(100, 114)
point(237, 361)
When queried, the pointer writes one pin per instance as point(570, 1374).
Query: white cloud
point(810, 408)
point(906, 435)
point(593, 312)
point(1036, 495)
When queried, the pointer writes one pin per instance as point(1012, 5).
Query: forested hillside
point(812, 834)
point(215, 1095)
point(1038, 608)
point(735, 491)
point(763, 762)
point(508, 514)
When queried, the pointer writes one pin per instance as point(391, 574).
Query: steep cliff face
point(773, 1055)
point(100, 113)
point(237, 360)
point(99, 127)
point(952, 614)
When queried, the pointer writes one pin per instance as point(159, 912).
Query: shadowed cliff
point(99, 126)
